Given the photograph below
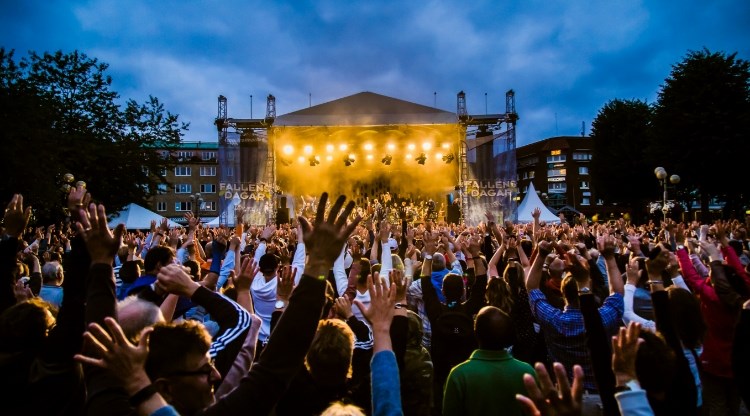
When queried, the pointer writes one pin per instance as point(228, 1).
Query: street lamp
point(661, 175)
point(197, 202)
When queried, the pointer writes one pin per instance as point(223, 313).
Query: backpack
point(452, 340)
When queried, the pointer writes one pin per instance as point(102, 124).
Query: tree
point(702, 126)
point(620, 168)
point(58, 114)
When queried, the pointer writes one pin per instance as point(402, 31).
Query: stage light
point(426, 146)
point(342, 147)
point(438, 155)
point(307, 149)
point(411, 146)
point(446, 146)
point(391, 146)
point(448, 158)
point(421, 159)
point(369, 157)
point(329, 158)
point(314, 160)
point(329, 148)
point(387, 160)
point(288, 149)
point(368, 146)
point(301, 159)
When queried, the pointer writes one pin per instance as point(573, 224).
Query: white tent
point(135, 216)
point(531, 201)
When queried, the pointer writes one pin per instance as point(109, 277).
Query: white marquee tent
point(531, 201)
point(135, 217)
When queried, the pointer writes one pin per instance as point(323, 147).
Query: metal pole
point(664, 204)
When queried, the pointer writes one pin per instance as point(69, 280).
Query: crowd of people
point(335, 315)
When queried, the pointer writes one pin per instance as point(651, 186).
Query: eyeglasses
point(204, 371)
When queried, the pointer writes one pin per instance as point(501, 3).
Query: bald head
point(438, 262)
point(556, 268)
point(493, 329)
point(134, 314)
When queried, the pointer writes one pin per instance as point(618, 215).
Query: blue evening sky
point(564, 59)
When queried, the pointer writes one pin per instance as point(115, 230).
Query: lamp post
point(197, 202)
point(661, 175)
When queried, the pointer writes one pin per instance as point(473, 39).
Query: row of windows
point(186, 206)
point(204, 171)
point(186, 154)
point(186, 188)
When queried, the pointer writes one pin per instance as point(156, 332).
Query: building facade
point(194, 182)
point(559, 167)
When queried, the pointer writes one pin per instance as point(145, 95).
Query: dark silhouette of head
point(493, 329)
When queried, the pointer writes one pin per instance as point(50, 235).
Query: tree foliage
point(702, 122)
point(58, 115)
point(621, 170)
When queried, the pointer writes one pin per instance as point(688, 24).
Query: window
point(183, 171)
point(556, 172)
point(209, 155)
point(584, 185)
point(183, 155)
point(586, 201)
point(557, 188)
point(583, 170)
point(183, 206)
point(163, 172)
point(161, 188)
point(209, 206)
point(532, 174)
point(556, 158)
point(164, 154)
point(528, 161)
point(208, 188)
point(161, 206)
point(208, 170)
point(183, 188)
point(581, 156)
point(229, 171)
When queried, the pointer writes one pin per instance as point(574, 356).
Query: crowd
point(333, 315)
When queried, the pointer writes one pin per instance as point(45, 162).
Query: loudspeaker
point(282, 216)
point(454, 213)
point(282, 202)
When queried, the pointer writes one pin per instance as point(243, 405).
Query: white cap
point(393, 244)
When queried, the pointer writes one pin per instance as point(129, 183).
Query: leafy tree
point(702, 125)
point(620, 169)
point(58, 114)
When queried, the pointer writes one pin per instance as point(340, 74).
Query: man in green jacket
point(488, 382)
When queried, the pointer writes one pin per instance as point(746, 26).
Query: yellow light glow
point(317, 158)
point(446, 146)
point(343, 147)
point(391, 146)
point(329, 148)
point(329, 158)
point(351, 156)
point(368, 146)
point(426, 145)
point(369, 157)
point(410, 146)
point(307, 149)
point(301, 159)
point(408, 155)
point(438, 155)
point(288, 149)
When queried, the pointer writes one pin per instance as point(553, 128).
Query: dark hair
point(156, 256)
point(129, 271)
point(195, 269)
point(493, 329)
point(498, 294)
point(687, 317)
point(171, 344)
point(23, 326)
point(453, 287)
point(736, 281)
point(364, 270)
point(654, 364)
point(527, 246)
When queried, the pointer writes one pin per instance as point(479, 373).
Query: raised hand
point(382, 305)
point(123, 359)
point(632, 272)
point(176, 279)
point(325, 237)
point(624, 352)
point(397, 279)
point(490, 217)
point(546, 399)
point(343, 308)
point(16, 218)
point(285, 285)
point(101, 243)
point(248, 271)
point(78, 198)
point(536, 213)
point(192, 221)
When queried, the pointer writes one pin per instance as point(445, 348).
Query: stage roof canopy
point(366, 109)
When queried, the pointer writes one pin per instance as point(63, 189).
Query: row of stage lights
point(350, 158)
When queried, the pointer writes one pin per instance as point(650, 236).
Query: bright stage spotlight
point(446, 146)
point(343, 147)
point(426, 146)
point(391, 146)
point(368, 146)
point(307, 149)
point(329, 148)
point(421, 159)
point(387, 160)
point(448, 158)
point(288, 149)
point(314, 160)
point(411, 146)
point(301, 159)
